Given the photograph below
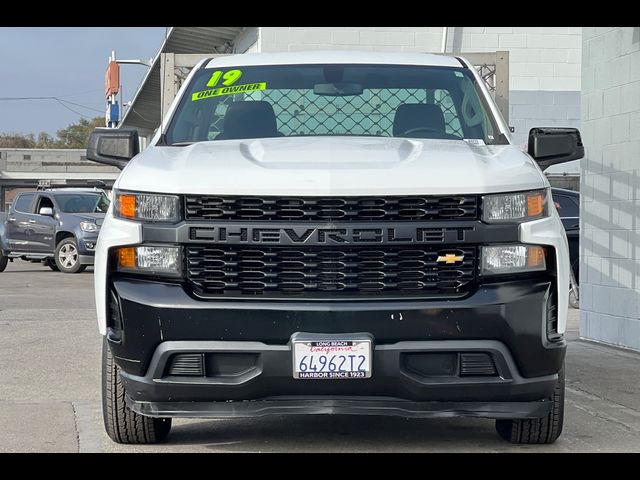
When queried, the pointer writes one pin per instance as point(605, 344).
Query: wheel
point(121, 423)
point(51, 263)
point(574, 301)
point(67, 256)
point(537, 430)
point(3, 261)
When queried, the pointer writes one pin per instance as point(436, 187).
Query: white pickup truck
point(333, 233)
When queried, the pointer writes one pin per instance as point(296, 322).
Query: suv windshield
point(83, 202)
point(332, 100)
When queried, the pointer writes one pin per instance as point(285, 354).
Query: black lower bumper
point(341, 406)
point(263, 384)
point(248, 349)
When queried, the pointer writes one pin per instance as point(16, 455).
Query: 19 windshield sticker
point(228, 78)
point(217, 92)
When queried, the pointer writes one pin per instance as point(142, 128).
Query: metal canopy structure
point(145, 110)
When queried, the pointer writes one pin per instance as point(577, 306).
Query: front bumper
point(87, 248)
point(506, 320)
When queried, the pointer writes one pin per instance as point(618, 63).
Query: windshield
point(332, 100)
point(83, 202)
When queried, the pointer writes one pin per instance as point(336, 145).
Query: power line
point(79, 105)
point(71, 109)
point(57, 99)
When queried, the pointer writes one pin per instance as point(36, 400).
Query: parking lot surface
point(50, 392)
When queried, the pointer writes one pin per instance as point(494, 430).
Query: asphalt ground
point(50, 392)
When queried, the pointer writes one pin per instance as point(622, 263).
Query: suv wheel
point(122, 424)
point(67, 257)
point(537, 430)
point(3, 261)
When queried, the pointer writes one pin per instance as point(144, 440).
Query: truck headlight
point(152, 260)
point(508, 259)
point(147, 207)
point(89, 227)
point(515, 207)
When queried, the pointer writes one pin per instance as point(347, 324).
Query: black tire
point(72, 263)
point(3, 261)
point(537, 430)
point(121, 423)
point(51, 263)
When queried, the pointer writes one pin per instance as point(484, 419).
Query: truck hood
point(332, 166)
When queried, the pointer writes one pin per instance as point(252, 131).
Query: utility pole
point(112, 88)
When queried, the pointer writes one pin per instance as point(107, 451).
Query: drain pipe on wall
point(445, 34)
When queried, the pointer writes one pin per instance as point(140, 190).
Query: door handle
point(32, 221)
point(11, 219)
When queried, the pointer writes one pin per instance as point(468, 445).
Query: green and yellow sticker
point(232, 90)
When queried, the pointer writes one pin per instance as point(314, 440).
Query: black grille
point(321, 209)
point(337, 272)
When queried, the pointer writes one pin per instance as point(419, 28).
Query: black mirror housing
point(550, 145)
point(113, 146)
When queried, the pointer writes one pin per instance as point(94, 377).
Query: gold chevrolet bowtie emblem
point(450, 258)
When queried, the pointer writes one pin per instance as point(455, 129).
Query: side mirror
point(46, 211)
point(550, 146)
point(113, 146)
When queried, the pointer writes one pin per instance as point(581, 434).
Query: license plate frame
point(346, 356)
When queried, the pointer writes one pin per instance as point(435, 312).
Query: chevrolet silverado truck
point(333, 233)
point(58, 227)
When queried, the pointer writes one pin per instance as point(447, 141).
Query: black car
point(568, 205)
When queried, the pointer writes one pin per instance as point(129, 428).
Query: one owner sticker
point(217, 92)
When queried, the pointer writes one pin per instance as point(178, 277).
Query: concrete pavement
point(50, 392)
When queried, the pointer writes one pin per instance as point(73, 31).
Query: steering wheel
point(411, 131)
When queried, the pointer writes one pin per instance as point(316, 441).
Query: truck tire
point(51, 263)
point(121, 423)
point(537, 430)
point(3, 261)
point(67, 257)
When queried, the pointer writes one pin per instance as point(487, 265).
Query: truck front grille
point(322, 209)
point(345, 272)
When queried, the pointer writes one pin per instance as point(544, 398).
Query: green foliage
point(75, 135)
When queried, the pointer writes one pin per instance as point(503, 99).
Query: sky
point(69, 63)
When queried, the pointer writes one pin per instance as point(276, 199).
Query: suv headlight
point(515, 207)
point(147, 207)
point(89, 227)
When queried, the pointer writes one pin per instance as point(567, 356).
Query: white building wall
point(610, 200)
point(544, 61)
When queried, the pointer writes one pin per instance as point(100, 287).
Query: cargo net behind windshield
point(301, 112)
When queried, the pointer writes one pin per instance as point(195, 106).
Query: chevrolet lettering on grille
point(260, 235)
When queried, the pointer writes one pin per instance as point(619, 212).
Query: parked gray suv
point(58, 227)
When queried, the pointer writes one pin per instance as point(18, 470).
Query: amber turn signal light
point(535, 256)
point(535, 204)
point(126, 257)
point(127, 206)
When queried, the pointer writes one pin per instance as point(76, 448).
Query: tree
point(76, 134)
point(17, 140)
point(45, 141)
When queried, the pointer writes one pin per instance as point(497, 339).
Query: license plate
point(332, 359)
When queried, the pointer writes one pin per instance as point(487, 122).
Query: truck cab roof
point(334, 57)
